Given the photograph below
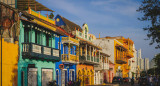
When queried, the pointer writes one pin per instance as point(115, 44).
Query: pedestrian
point(150, 80)
point(158, 80)
point(132, 81)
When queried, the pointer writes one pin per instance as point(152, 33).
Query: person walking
point(132, 81)
point(150, 80)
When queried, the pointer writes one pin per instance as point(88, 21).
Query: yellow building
point(123, 52)
point(9, 63)
point(120, 50)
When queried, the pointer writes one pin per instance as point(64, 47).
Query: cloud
point(123, 7)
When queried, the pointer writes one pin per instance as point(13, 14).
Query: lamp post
point(1, 32)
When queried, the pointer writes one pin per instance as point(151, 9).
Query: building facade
point(133, 72)
point(70, 58)
point(9, 46)
point(146, 64)
point(120, 51)
point(37, 47)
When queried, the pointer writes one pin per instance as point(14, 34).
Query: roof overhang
point(23, 4)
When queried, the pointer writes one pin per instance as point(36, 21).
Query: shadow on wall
point(14, 77)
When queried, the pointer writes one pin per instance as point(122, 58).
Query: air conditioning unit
point(10, 40)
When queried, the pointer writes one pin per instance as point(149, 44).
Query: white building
point(140, 61)
point(133, 64)
point(146, 64)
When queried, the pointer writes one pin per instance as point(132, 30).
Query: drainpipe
point(1, 31)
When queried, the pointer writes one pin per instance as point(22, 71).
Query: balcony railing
point(92, 58)
point(39, 15)
point(70, 39)
point(70, 58)
point(81, 35)
point(130, 54)
point(105, 66)
point(121, 60)
point(88, 59)
point(35, 51)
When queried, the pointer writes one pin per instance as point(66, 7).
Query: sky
point(107, 17)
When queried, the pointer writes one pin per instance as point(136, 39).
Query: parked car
point(126, 80)
point(143, 81)
point(117, 80)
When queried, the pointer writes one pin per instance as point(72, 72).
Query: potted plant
point(51, 16)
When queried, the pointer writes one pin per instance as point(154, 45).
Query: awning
point(23, 5)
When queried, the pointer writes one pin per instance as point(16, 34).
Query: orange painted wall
point(90, 75)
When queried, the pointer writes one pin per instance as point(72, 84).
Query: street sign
point(61, 66)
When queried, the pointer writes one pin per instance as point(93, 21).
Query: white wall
point(107, 47)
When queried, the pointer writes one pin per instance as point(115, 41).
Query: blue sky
point(107, 17)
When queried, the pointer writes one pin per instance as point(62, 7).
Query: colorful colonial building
point(120, 50)
point(89, 56)
point(9, 49)
point(66, 68)
point(37, 46)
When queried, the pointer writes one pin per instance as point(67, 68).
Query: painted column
point(90, 52)
point(86, 51)
point(69, 51)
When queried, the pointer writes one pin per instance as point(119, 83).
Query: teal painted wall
point(23, 63)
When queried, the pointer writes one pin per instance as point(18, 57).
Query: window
point(26, 35)
point(32, 76)
point(65, 49)
point(71, 75)
point(48, 40)
point(37, 37)
point(47, 76)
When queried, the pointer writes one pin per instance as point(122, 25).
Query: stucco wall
point(108, 47)
point(9, 63)
point(39, 64)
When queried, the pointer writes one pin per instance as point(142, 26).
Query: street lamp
point(1, 32)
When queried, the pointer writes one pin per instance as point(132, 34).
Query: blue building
point(66, 68)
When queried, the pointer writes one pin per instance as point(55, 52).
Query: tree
point(157, 62)
point(151, 13)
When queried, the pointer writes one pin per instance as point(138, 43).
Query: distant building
point(146, 64)
point(133, 71)
point(140, 61)
point(142, 64)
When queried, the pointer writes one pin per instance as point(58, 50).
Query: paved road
point(117, 85)
point(129, 85)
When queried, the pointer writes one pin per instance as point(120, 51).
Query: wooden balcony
point(70, 40)
point(70, 58)
point(121, 60)
point(105, 66)
point(35, 51)
point(88, 60)
point(81, 35)
point(129, 54)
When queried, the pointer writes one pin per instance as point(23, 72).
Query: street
point(125, 84)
